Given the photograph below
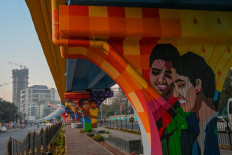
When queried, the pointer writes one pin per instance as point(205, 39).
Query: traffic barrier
point(34, 143)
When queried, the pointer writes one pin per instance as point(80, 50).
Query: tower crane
point(20, 65)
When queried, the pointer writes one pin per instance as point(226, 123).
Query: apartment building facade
point(20, 82)
point(34, 101)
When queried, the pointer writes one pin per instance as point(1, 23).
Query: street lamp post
point(49, 105)
point(101, 111)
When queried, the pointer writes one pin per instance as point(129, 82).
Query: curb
point(100, 145)
point(227, 147)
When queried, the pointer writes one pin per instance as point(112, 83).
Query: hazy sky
point(19, 43)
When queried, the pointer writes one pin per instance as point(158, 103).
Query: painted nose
point(162, 77)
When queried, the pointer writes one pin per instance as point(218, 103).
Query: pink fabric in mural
point(156, 109)
point(156, 148)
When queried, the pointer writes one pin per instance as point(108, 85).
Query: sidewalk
point(81, 144)
point(225, 152)
point(135, 136)
point(123, 141)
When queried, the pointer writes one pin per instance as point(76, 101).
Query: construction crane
point(20, 65)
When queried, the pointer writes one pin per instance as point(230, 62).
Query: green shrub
point(107, 132)
point(54, 142)
point(98, 138)
point(59, 142)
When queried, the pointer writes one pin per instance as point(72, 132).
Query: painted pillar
point(88, 103)
point(97, 97)
point(80, 101)
point(168, 66)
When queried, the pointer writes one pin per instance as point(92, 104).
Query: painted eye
point(156, 72)
point(181, 84)
point(168, 75)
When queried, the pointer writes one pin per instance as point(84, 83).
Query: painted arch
point(108, 37)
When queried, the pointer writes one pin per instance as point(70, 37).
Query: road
point(18, 134)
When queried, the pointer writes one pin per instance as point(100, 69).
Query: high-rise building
point(116, 89)
point(20, 82)
point(34, 101)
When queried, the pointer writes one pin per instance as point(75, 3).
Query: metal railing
point(224, 129)
point(224, 133)
point(34, 143)
point(127, 125)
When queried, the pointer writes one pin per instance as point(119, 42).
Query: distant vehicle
point(42, 124)
point(48, 124)
point(222, 124)
point(3, 129)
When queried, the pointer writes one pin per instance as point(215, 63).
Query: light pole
point(101, 110)
point(129, 106)
point(49, 105)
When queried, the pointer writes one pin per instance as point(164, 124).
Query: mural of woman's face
point(185, 92)
point(86, 105)
point(161, 75)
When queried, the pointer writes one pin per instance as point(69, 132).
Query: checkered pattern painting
point(163, 60)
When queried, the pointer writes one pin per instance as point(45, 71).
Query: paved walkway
point(225, 152)
point(81, 144)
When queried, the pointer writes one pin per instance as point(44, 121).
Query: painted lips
point(182, 100)
point(164, 86)
point(161, 87)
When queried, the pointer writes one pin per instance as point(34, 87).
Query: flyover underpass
point(170, 59)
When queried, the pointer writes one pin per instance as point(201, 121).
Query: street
point(18, 134)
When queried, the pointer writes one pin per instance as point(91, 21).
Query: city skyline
point(19, 44)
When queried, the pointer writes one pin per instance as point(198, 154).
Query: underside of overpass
point(83, 75)
point(169, 57)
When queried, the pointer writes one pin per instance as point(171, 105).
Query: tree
point(226, 92)
point(114, 108)
point(8, 111)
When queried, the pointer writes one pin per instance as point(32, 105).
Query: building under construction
point(20, 82)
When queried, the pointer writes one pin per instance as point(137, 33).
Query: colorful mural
point(93, 113)
point(171, 64)
point(85, 108)
point(168, 86)
point(78, 114)
point(70, 113)
point(188, 84)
